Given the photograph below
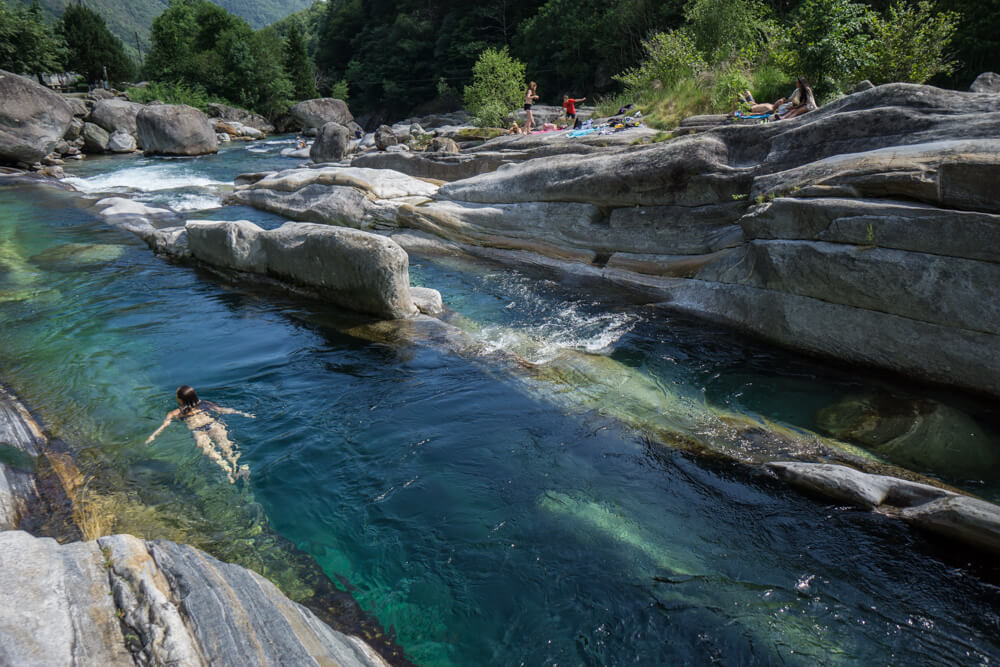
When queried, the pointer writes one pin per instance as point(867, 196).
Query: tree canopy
point(91, 47)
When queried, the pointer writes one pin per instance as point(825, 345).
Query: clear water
point(486, 516)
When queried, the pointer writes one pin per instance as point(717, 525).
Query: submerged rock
point(124, 601)
point(175, 129)
point(923, 435)
point(32, 119)
point(74, 256)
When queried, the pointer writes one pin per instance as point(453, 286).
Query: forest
point(396, 58)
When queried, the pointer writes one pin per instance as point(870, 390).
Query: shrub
point(724, 29)
point(911, 43)
point(829, 42)
point(340, 90)
point(497, 87)
point(172, 93)
point(670, 56)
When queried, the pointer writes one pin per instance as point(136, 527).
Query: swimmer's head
point(186, 397)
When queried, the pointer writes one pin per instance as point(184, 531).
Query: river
point(485, 515)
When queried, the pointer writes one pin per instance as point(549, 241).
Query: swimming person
point(209, 433)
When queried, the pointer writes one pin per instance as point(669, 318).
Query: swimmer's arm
point(166, 422)
point(228, 411)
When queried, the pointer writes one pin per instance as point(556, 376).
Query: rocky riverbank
point(120, 600)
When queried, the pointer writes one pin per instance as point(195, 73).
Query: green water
point(489, 516)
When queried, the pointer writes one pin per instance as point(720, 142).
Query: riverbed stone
point(120, 142)
point(22, 442)
point(428, 301)
point(331, 143)
point(442, 145)
point(318, 112)
point(95, 138)
point(32, 119)
point(248, 118)
point(175, 129)
point(385, 137)
point(442, 167)
point(987, 82)
point(350, 268)
point(116, 115)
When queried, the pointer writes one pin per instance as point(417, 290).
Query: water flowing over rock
point(124, 601)
point(317, 113)
point(32, 119)
point(175, 129)
point(331, 143)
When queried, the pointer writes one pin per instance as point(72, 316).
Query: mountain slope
point(126, 18)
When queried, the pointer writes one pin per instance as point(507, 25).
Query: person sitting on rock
point(300, 142)
point(569, 104)
point(209, 434)
point(802, 100)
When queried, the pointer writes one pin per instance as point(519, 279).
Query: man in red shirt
point(569, 104)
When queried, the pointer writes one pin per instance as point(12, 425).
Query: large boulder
point(331, 143)
point(317, 113)
point(248, 118)
point(385, 137)
point(175, 129)
point(125, 601)
point(121, 142)
point(357, 270)
point(987, 82)
point(32, 119)
point(116, 115)
point(77, 106)
point(95, 138)
point(443, 145)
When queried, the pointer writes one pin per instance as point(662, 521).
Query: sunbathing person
point(804, 102)
point(209, 433)
point(514, 129)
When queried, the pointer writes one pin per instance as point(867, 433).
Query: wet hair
point(187, 396)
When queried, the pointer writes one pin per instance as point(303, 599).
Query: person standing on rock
point(530, 95)
point(209, 433)
point(569, 104)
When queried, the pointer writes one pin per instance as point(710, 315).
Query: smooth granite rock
point(125, 601)
point(95, 138)
point(317, 113)
point(32, 119)
point(21, 442)
point(248, 118)
point(987, 82)
point(385, 137)
point(116, 115)
point(363, 272)
point(175, 129)
point(120, 142)
point(331, 144)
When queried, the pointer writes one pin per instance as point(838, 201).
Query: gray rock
point(56, 608)
point(175, 129)
point(74, 130)
point(125, 601)
point(428, 301)
point(32, 119)
point(350, 268)
point(987, 82)
point(331, 143)
point(445, 167)
point(248, 118)
point(862, 86)
point(120, 142)
point(690, 171)
point(319, 112)
point(385, 137)
point(116, 115)
point(443, 145)
point(21, 443)
point(78, 107)
point(968, 520)
point(416, 130)
point(98, 94)
point(95, 138)
point(222, 137)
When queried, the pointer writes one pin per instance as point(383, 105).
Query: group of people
point(530, 97)
point(799, 102)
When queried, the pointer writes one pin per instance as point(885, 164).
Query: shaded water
point(488, 520)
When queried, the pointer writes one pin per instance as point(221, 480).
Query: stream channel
point(482, 514)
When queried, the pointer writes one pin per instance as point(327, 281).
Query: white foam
point(186, 201)
point(145, 178)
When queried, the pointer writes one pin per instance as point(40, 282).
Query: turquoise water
point(487, 518)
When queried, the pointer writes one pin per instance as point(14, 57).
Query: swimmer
point(209, 434)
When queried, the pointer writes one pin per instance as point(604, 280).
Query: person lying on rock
point(514, 129)
point(209, 434)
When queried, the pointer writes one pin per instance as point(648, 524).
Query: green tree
point(91, 46)
point(497, 87)
point(724, 29)
point(911, 43)
point(28, 45)
point(298, 67)
point(829, 42)
point(670, 56)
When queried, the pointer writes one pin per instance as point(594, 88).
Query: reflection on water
point(490, 517)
